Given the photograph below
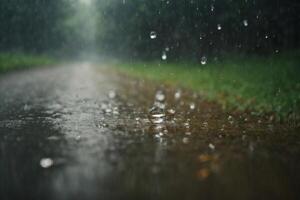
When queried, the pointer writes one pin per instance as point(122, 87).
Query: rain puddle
point(96, 135)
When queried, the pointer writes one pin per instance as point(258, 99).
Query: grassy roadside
point(263, 85)
point(9, 61)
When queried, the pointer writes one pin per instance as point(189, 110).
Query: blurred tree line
point(179, 28)
point(31, 25)
point(195, 28)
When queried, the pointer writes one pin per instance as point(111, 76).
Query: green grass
point(269, 84)
point(10, 61)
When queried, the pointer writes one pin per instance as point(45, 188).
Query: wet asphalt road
point(79, 132)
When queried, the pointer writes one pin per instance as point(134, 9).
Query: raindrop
point(104, 106)
point(212, 8)
point(185, 140)
point(171, 111)
point(203, 60)
point(177, 95)
point(159, 96)
point(153, 35)
point(108, 110)
point(53, 138)
point(188, 133)
point(167, 49)
point(164, 56)
point(251, 147)
point(78, 137)
point(112, 94)
point(159, 135)
point(158, 115)
point(219, 27)
point(245, 22)
point(159, 127)
point(159, 105)
point(156, 120)
point(115, 111)
point(211, 146)
point(244, 137)
point(192, 106)
point(26, 107)
point(186, 125)
point(46, 162)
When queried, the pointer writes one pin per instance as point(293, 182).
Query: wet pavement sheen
point(80, 132)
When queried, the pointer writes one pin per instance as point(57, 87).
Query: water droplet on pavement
point(211, 146)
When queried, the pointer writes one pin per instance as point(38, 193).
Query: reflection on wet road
point(78, 132)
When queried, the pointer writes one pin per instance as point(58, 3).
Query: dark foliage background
point(187, 29)
point(31, 25)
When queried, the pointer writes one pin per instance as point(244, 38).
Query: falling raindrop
point(177, 95)
point(112, 94)
point(245, 22)
point(153, 35)
point(26, 107)
point(164, 56)
point(251, 147)
point(159, 96)
point(116, 111)
point(192, 106)
point(244, 137)
point(211, 146)
point(46, 162)
point(78, 137)
point(203, 60)
point(212, 8)
point(53, 138)
point(219, 27)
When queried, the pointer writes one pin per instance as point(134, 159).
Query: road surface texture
point(83, 132)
